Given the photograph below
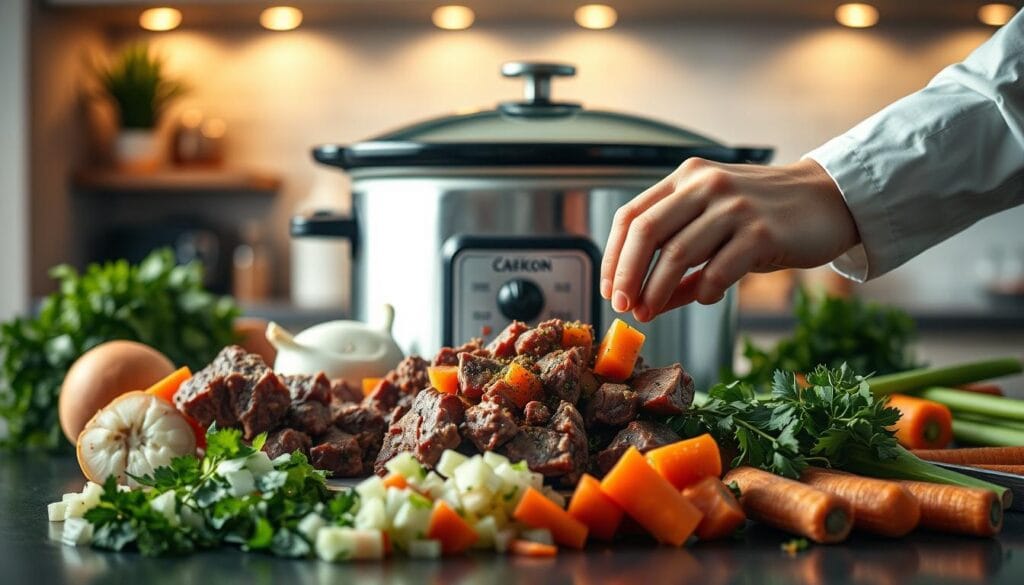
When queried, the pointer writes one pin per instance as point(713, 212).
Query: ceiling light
point(160, 19)
point(996, 14)
point(453, 17)
point(281, 18)
point(857, 15)
point(596, 16)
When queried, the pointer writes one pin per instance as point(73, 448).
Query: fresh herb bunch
point(193, 504)
point(870, 338)
point(796, 426)
point(157, 303)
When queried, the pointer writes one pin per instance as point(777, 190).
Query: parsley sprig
point(794, 426)
point(208, 512)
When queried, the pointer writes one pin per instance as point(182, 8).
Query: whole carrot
point(879, 506)
point(961, 510)
point(973, 455)
point(792, 506)
point(923, 424)
point(1015, 469)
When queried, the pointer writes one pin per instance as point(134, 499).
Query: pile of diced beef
point(577, 423)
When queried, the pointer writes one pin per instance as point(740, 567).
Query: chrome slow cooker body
point(410, 198)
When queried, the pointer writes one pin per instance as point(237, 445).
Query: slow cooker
point(465, 222)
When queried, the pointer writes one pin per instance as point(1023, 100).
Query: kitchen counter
point(29, 555)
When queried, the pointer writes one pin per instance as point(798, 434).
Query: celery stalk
point(988, 435)
point(945, 376)
point(906, 465)
point(992, 421)
point(963, 401)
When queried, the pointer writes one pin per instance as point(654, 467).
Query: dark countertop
point(28, 555)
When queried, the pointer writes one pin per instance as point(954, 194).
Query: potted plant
point(137, 83)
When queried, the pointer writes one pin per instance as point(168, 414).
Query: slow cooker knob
point(520, 299)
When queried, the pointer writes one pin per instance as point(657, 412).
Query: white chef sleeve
point(933, 163)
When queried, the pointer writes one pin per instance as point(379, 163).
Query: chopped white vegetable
point(240, 481)
point(450, 494)
point(503, 539)
point(77, 532)
point(75, 507)
point(67, 497)
point(311, 524)
point(394, 500)
point(476, 502)
point(371, 487)
point(410, 522)
point(56, 511)
point(372, 514)
point(166, 505)
point(259, 463)
point(541, 535)
point(226, 467)
point(449, 461)
point(475, 475)
point(425, 549)
point(91, 494)
point(486, 529)
point(432, 485)
point(334, 543)
point(192, 518)
point(495, 459)
point(406, 465)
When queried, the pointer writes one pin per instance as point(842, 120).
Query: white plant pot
point(137, 149)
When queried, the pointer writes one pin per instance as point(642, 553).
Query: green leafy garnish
point(157, 303)
point(795, 426)
point(832, 331)
point(208, 512)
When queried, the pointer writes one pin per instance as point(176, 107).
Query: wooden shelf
point(178, 181)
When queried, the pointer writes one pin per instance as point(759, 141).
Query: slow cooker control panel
point(492, 282)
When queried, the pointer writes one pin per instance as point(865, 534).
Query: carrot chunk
point(923, 424)
point(792, 506)
point(537, 511)
point(456, 535)
point(879, 506)
point(592, 507)
point(974, 455)
point(650, 499)
point(961, 510)
point(618, 351)
point(685, 462)
point(722, 513)
point(526, 548)
point(369, 384)
point(444, 379)
point(524, 385)
point(167, 387)
point(395, 480)
point(576, 334)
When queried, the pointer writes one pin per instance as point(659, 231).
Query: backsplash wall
point(789, 86)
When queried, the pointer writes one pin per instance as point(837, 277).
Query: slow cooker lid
point(536, 131)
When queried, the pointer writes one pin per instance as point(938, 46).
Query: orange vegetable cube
point(444, 378)
point(650, 499)
point(537, 511)
point(722, 513)
point(369, 384)
point(592, 507)
point(618, 351)
point(168, 387)
point(456, 535)
point(685, 462)
point(524, 385)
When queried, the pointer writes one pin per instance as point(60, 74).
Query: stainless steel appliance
point(466, 222)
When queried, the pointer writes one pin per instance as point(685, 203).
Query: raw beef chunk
point(504, 345)
point(236, 389)
point(612, 405)
point(366, 425)
point(305, 388)
point(543, 339)
point(342, 391)
point(666, 390)
point(312, 418)
point(410, 375)
point(642, 434)
point(430, 427)
point(560, 372)
point(557, 450)
point(284, 441)
point(489, 425)
point(536, 413)
point(384, 397)
point(338, 453)
point(475, 373)
point(449, 356)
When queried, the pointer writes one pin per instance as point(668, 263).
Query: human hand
point(738, 218)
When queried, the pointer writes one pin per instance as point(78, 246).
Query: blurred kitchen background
point(265, 83)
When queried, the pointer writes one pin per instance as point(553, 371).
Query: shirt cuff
point(878, 251)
